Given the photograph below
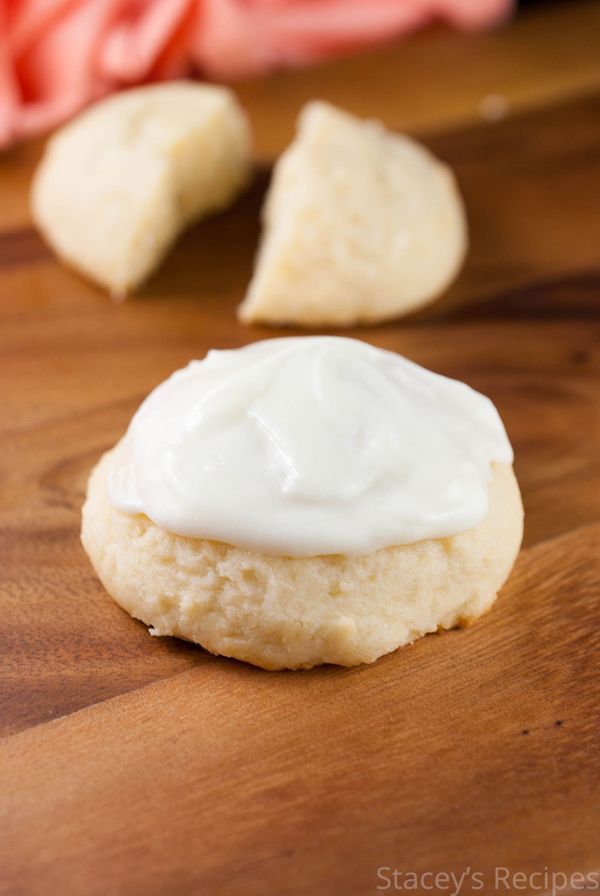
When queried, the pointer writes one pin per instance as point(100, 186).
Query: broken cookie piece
point(119, 183)
point(360, 225)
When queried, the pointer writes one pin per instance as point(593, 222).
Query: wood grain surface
point(135, 765)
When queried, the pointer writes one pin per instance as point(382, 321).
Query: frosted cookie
point(306, 501)
point(118, 184)
point(360, 225)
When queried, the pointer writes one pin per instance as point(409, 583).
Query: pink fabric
point(58, 55)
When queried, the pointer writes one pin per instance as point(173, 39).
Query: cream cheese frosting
point(308, 446)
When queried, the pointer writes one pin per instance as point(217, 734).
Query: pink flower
point(58, 55)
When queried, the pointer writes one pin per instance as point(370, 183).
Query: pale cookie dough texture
point(118, 184)
point(298, 612)
point(360, 225)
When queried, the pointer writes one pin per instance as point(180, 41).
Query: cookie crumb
point(493, 107)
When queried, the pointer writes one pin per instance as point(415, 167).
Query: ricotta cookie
point(118, 184)
point(360, 225)
point(304, 501)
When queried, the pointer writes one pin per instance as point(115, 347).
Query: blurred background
point(56, 56)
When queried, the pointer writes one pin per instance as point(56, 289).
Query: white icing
point(310, 445)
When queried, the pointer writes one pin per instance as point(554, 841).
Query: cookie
point(306, 500)
point(360, 225)
point(118, 184)
point(298, 612)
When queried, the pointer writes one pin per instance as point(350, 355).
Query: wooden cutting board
point(136, 765)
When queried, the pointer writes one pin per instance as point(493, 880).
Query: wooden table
point(135, 765)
